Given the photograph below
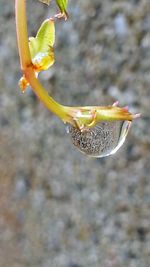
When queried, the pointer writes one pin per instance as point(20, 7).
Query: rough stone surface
point(59, 208)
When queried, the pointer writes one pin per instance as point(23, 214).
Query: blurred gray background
point(59, 208)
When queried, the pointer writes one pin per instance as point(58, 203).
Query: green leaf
point(44, 39)
point(41, 46)
point(46, 33)
point(62, 5)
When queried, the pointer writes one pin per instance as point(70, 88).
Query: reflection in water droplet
point(102, 140)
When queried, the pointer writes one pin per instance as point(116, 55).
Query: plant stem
point(45, 98)
point(77, 116)
point(22, 34)
point(27, 68)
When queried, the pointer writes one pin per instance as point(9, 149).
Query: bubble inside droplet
point(102, 140)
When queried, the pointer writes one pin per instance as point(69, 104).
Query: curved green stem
point(78, 116)
point(26, 64)
point(45, 98)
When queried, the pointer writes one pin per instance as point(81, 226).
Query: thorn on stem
point(136, 116)
point(116, 104)
point(126, 108)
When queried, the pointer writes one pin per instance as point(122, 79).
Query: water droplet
point(102, 140)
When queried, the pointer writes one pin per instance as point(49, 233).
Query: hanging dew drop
point(102, 140)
